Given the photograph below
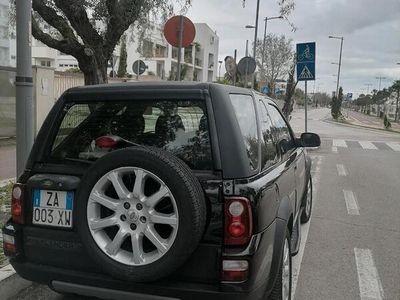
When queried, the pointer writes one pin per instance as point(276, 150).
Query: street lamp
point(265, 36)
point(340, 59)
point(219, 72)
point(250, 26)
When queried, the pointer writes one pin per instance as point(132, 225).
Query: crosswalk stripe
point(351, 203)
point(367, 145)
point(368, 278)
point(394, 146)
point(341, 170)
point(339, 143)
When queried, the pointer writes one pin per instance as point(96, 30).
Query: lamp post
point(265, 36)
point(219, 72)
point(340, 60)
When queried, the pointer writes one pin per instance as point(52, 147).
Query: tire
point(169, 239)
point(308, 202)
point(285, 268)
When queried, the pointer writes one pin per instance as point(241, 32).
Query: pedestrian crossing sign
point(305, 71)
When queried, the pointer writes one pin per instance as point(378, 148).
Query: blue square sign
point(305, 61)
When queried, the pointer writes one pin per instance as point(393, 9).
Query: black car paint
point(274, 199)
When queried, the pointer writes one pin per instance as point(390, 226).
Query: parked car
point(162, 191)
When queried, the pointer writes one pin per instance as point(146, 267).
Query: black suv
point(162, 191)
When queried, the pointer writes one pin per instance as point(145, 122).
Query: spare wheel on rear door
point(141, 213)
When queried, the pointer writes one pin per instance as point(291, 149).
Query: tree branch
point(68, 46)
point(122, 15)
point(77, 16)
point(51, 17)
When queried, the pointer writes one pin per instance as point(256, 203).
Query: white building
point(45, 56)
point(5, 56)
point(200, 61)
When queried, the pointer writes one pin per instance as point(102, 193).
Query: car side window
point(246, 116)
point(269, 153)
point(281, 132)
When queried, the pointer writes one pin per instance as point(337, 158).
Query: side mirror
point(310, 140)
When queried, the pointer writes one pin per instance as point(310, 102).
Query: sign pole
point(235, 75)
point(305, 107)
point(180, 47)
point(138, 71)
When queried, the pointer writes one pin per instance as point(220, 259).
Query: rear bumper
point(90, 284)
point(62, 263)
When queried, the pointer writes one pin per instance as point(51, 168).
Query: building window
point(161, 51)
point(13, 57)
point(43, 63)
point(48, 63)
point(147, 48)
point(61, 65)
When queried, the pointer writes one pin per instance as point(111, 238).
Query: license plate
point(52, 208)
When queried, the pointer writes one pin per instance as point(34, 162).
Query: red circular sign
point(171, 31)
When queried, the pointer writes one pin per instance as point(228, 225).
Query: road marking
point(334, 150)
point(368, 277)
point(367, 145)
point(341, 170)
point(296, 264)
point(351, 203)
point(394, 146)
point(339, 143)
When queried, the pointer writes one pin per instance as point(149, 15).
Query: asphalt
point(343, 255)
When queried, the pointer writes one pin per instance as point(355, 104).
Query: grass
point(5, 208)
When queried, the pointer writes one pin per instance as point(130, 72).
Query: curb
point(360, 126)
point(11, 283)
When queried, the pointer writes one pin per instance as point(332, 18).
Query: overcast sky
point(371, 31)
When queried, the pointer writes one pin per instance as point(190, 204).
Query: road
point(350, 249)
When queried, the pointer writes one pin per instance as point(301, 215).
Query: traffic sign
point(139, 67)
point(306, 61)
point(172, 31)
point(247, 65)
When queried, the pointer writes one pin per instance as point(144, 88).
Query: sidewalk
point(7, 159)
point(363, 120)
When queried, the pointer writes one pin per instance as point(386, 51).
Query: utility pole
point(380, 81)
point(368, 86)
point(24, 85)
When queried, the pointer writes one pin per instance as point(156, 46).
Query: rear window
point(180, 127)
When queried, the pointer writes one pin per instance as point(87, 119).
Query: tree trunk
point(94, 70)
point(396, 117)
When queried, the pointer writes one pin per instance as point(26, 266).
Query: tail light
point(106, 142)
point(9, 245)
point(238, 221)
point(235, 270)
point(17, 203)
